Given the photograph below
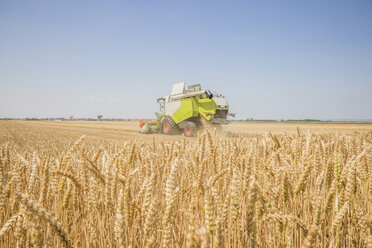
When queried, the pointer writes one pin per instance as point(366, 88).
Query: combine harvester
point(187, 111)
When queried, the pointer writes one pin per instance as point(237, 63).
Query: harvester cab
point(187, 110)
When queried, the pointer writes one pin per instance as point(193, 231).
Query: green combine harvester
point(187, 111)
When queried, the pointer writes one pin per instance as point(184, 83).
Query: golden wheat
point(284, 190)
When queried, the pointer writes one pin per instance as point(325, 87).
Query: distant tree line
point(70, 119)
point(100, 118)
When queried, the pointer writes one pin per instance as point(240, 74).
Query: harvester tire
point(189, 129)
point(168, 126)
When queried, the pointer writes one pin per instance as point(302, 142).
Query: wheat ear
point(38, 210)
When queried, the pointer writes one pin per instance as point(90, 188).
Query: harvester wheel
point(168, 125)
point(189, 129)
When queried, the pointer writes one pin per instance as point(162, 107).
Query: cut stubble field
point(103, 184)
point(116, 131)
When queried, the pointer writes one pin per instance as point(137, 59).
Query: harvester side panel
point(188, 109)
point(207, 108)
point(172, 107)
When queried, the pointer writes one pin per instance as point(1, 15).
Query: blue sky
point(271, 59)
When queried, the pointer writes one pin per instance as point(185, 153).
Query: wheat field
point(90, 185)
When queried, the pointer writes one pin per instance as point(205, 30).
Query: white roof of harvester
point(178, 89)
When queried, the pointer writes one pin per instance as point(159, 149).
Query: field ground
point(128, 130)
